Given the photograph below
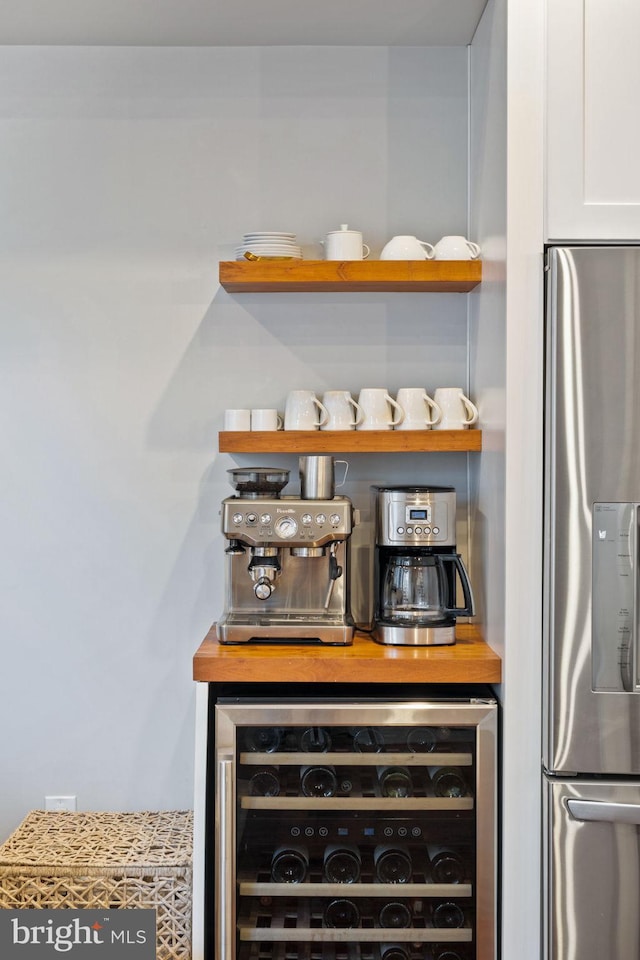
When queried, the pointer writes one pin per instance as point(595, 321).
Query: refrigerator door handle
point(224, 840)
point(594, 811)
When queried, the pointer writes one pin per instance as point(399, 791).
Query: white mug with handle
point(407, 248)
point(378, 408)
point(237, 419)
point(456, 248)
point(345, 413)
point(303, 411)
point(265, 419)
point(458, 412)
point(420, 411)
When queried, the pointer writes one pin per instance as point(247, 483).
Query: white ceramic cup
point(378, 409)
point(456, 248)
point(458, 412)
point(237, 419)
point(407, 248)
point(343, 411)
point(420, 411)
point(344, 244)
point(265, 419)
point(303, 411)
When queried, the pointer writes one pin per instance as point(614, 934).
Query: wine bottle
point(393, 951)
point(448, 782)
point(342, 914)
point(318, 781)
point(394, 915)
point(314, 740)
point(367, 740)
point(421, 740)
point(265, 782)
point(440, 952)
point(395, 782)
point(447, 866)
point(447, 914)
point(392, 864)
point(289, 864)
point(262, 739)
point(342, 864)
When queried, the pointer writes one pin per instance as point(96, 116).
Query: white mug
point(341, 408)
point(458, 412)
point(344, 244)
point(407, 248)
point(420, 411)
point(302, 409)
point(237, 419)
point(377, 409)
point(266, 419)
point(456, 248)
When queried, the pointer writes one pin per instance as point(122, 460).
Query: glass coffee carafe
point(419, 588)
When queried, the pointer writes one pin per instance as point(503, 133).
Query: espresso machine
point(287, 562)
point(416, 567)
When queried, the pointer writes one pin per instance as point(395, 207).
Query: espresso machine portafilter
point(287, 563)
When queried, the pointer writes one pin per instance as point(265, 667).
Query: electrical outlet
point(56, 804)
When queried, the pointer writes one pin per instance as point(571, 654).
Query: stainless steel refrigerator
point(591, 745)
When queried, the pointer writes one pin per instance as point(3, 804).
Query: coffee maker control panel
point(289, 521)
point(412, 517)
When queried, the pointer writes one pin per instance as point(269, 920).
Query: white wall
point(126, 174)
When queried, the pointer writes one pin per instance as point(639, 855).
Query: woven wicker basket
point(113, 860)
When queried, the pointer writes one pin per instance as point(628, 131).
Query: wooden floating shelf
point(355, 276)
point(350, 441)
point(469, 660)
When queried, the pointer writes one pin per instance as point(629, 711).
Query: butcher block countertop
point(469, 660)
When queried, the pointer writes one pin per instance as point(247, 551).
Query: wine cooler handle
point(225, 937)
point(601, 811)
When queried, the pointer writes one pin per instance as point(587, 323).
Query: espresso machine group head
point(287, 564)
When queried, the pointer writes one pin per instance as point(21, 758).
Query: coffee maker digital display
point(417, 567)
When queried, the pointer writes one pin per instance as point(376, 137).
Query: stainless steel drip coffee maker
point(287, 558)
point(416, 566)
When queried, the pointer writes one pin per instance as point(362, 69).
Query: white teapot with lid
point(344, 244)
point(407, 248)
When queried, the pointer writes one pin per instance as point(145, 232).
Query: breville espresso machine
point(287, 563)
point(416, 566)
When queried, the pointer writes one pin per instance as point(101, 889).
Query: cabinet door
point(593, 128)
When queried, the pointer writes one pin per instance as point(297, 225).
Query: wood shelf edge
point(350, 441)
point(447, 276)
point(469, 660)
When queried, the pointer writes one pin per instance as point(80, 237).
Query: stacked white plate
point(269, 243)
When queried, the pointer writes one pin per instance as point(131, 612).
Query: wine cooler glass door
point(355, 831)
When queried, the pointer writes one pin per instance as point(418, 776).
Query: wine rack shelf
point(378, 804)
point(390, 890)
point(358, 935)
point(406, 759)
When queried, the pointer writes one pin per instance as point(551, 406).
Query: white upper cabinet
point(593, 120)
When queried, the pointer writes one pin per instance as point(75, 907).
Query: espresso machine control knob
point(286, 527)
point(263, 589)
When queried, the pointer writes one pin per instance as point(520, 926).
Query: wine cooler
point(354, 830)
